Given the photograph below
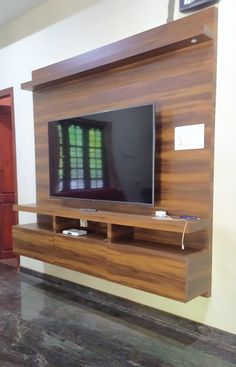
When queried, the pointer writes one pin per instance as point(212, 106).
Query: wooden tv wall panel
point(163, 66)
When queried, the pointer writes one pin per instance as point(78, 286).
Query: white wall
point(102, 22)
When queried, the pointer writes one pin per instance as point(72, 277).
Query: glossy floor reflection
point(41, 325)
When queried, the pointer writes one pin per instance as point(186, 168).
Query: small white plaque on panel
point(189, 137)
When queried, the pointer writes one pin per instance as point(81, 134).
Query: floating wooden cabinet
point(172, 67)
point(115, 251)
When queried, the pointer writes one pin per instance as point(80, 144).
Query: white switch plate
point(189, 137)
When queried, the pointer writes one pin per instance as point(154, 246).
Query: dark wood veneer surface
point(162, 67)
point(122, 219)
point(157, 41)
point(182, 96)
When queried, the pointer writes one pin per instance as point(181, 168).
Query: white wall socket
point(83, 223)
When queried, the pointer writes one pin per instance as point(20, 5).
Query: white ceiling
point(10, 9)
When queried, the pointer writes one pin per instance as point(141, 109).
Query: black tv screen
point(104, 156)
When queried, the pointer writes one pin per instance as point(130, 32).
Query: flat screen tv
point(107, 156)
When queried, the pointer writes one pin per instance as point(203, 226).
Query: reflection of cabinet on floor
point(119, 247)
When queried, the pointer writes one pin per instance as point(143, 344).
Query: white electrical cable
point(183, 234)
point(174, 219)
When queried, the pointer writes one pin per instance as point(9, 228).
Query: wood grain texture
point(199, 274)
point(123, 219)
point(10, 122)
point(118, 232)
point(163, 270)
point(45, 222)
point(8, 186)
point(154, 42)
point(7, 219)
point(32, 241)
point(156, 271)
point(7, 183)
point(182, 96)
point(65, 223)
point(158, 67)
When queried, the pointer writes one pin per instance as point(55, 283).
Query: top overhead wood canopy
point(182, 33)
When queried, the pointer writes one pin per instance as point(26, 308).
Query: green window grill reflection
point(85, 166)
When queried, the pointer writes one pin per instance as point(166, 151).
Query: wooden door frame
point(8, 92)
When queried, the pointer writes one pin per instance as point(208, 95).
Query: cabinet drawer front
point(160, 274)
point(153, 272)
point(87, 256)
point(37, 245)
